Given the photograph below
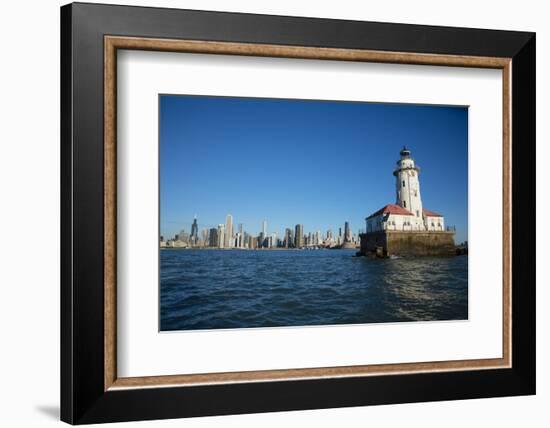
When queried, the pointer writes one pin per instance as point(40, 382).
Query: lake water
point(212, 289)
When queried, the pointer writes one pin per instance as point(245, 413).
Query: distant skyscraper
point(264, 227)
point(228, 231)
point(221, 235)
point(287, 242)
point(194, 231)
point(183, 236)
point(347, 233)
point(299, 236)
point(204, 237)
point(213, 237)
point(240, 236)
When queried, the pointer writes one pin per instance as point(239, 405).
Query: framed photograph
point(265, 213)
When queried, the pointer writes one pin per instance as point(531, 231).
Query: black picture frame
point(83, 398)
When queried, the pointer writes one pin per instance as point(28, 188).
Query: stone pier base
point(408, 243)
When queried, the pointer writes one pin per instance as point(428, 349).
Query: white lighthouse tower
point(406, 227)
point(408, 189)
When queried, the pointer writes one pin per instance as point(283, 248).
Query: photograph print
point(288, 212)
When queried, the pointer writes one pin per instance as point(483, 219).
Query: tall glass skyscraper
point(229, 231)
point(288, 241)
point(213, 237)
point(221, 235)
point(194, 231)
point(299, 236)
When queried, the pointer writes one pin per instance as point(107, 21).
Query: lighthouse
point(407, 186)
point(406, 227)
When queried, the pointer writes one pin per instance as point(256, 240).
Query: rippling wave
point(213, 289)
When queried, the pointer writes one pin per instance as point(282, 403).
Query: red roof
point(391, 209)
point(429, 213)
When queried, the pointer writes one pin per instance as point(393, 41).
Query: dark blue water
point(210, 289)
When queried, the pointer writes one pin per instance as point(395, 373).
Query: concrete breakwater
point(408, 243)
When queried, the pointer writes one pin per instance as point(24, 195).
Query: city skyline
point(225, 236)
point(188, 226)
point(310, 162)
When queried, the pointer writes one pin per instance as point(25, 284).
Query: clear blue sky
point(318, 163)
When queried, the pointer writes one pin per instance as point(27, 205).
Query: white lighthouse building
point(407, 214)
